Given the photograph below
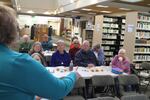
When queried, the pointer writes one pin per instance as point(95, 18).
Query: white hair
point(85, 41)
point(122, 51)
point(60, 41)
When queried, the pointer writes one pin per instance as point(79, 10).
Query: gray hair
point(122, 51)
point(60, 41)
point(8, 25)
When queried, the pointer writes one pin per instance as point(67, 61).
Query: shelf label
point(130, 28)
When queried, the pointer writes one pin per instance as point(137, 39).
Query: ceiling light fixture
point(124, 9)
point(105, 11)
point(92, 13)
point(102, 6)
point(132, 1)
point(85, 9)
point(46, 13)
point(30, 11)
point(75, 11)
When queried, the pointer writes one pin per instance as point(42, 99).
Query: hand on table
point(77, 74)
point(90, 65)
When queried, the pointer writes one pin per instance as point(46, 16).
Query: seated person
point(37, 48)
point(72, 44)
point(25, 45)
point(85, 57)
point(46, 43)
point(74, 49)
point(121, 61)
point(99, 53)
point(39, 58)
point(60, 57)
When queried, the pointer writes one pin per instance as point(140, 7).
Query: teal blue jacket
point(21, 78)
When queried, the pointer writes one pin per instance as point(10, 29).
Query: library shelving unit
point(88, 35)
point(137, 38)
point(109, 32)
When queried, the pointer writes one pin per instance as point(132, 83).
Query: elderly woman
point(60, 57)
point(21, 77)
point(121, 61)
point(39, 58)
point(36, 48)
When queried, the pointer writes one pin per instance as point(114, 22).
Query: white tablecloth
point(86, 73)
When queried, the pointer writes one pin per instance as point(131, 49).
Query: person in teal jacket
point(22, 77)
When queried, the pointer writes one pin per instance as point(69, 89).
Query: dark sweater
point(60, 59)
point(83, 58)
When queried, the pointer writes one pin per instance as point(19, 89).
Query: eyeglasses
point(76, 43)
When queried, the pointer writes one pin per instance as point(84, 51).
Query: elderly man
point(46, 44)
point(60, 57)
point(25, 45)
point(85, 57)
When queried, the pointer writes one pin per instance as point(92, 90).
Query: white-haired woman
point(60, 57)
point(121, 61)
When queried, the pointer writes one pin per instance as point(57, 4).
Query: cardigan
point(22, 77)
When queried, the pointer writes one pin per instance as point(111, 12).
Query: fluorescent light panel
point(46, 13)
point(85, 9)
point(132, 1)
point(30, 11)
point(105, 11)
point(75, 11)
point(124, 9)
point(102, 6)
point(92, 13)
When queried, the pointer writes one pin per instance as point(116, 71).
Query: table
point(86, 73)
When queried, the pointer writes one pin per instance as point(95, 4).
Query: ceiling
point(114, 7)
point(144, 3)
point(6, 2)
point(49, 7)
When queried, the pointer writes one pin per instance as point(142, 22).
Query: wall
point(30, 20)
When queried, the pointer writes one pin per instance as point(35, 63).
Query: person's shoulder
point(79, 52)
point(18, 55)
point(55, 53)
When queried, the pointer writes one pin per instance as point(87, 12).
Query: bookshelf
point(109, 32)
point(88, 35)
point(137, 40)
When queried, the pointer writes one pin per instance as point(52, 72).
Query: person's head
point(45, 37)
point(73, 38)
point(8, 25)
point(37, 57)
point(37, 47)
point(97, 47)
point(25, 38)
point(85, 45)
point(60, 45)
point(76, 43)
point(122, 53)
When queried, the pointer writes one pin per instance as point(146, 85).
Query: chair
point(128, 84)
point(104, 98)
point(73, 98)
point(135, 97)
point(145, 76)
point(105, 83)
point(78, 91)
